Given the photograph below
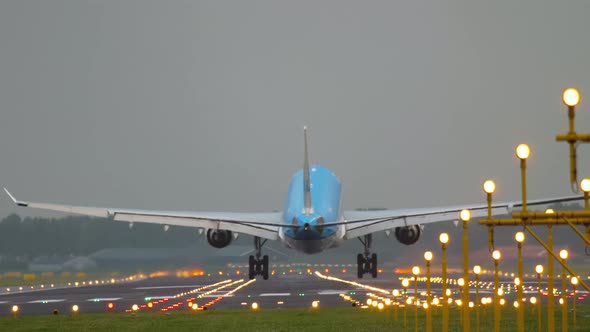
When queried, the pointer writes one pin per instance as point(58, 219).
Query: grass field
point(323, 319)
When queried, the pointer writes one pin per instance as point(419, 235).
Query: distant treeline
point(80, 235)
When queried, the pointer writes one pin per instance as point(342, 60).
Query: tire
point(251, 263)
point(265, 267)
point(360, 263)
point(374, 265)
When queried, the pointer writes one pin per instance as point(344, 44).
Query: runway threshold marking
point(99, 299)
point(165, 287)
point(275, 294)
point(47, 301)
point(353, 283)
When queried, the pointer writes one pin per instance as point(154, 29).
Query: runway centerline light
point(523, 151)
point(489, 187)
point(571, 97)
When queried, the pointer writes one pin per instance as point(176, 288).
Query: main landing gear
point(258, 266)
point(367, 262)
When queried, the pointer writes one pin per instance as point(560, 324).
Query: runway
point(172, 293)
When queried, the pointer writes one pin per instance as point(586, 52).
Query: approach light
point(110, 306)
point(135, 307)
point(517, 281)
point(571, 97)
point(496, 255)
point(515, 304)
point(195, 306)
point(539, 269)
point(315, 304)
point(585, 185)
point(75, 308)
point(523, 151)
point(405, 283)
point(416, 270)
point(563, 254)
point(15, 309)
point(519, 237)
point(489, 187)
point(549, 211)
point(369, 301)
point(477, 269)
point(380, 306)
point(428, 256)
point(465, 215)
point(443, 238)
point(395, 292)
point(574, 281)
point(533, 300)
point(254, 306)
point(461, 282)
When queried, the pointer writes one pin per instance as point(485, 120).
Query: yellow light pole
point(563, 254)
point(416, 272)
point(523, 152)
point(405, 284)
point(496, 255)
point(461, 284)
point(395, 294)
point(539, 270)
point(550, 276)
point(519, 237)
point(477, 271)
point(465, 216)
point(574, 284)
point(444, 239)
point(428, 257)
point(571, 98)
point(585, 186)
point(489, 187)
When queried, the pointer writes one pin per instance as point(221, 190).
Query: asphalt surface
point(171, 293)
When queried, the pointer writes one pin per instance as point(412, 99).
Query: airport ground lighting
point(465, 216)
point(496, 255)
point(539, 270)
point(444, 239)
point(395, 294)
point(428, 258)
point(519, 237)
point(477, 271)
point(405, 284)
point(574, 281)
point(585, 186)
point(416, 272)
point(563, 254)
point(489, 187)
point(523, 152)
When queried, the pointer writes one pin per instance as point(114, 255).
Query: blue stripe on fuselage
point(325, 201)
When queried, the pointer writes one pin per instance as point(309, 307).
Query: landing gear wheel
point(374, 265)
point(360, 264)
point(265, 267)
point(251, 265)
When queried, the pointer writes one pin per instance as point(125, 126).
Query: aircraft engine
point(219, 238)
point(408, 234)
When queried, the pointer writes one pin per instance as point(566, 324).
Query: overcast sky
point(199, 105)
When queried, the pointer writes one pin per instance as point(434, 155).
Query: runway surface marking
point(332, 292)
point(47, 301)
point(275, 294)
point(104, 299)
point(164, 287)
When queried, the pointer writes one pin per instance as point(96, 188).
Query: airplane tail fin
point(306, 178)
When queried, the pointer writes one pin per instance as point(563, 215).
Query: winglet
point(19, 203)
point(306, 178)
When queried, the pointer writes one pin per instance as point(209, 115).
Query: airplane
point(311, 222)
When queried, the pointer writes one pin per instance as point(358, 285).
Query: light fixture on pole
point(416, 272)
point(563, 254)
point(477, 271)
point(539, 270)
point(428, 257)
point(519, 237)
point(496, 255)
point(574, 284)
point(465, 216)
point(444, 239)
point(405, 284)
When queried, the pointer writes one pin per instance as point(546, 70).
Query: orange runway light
point(110, 306)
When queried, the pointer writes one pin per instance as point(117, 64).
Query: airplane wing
point(264, 225)
point(359, 223)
